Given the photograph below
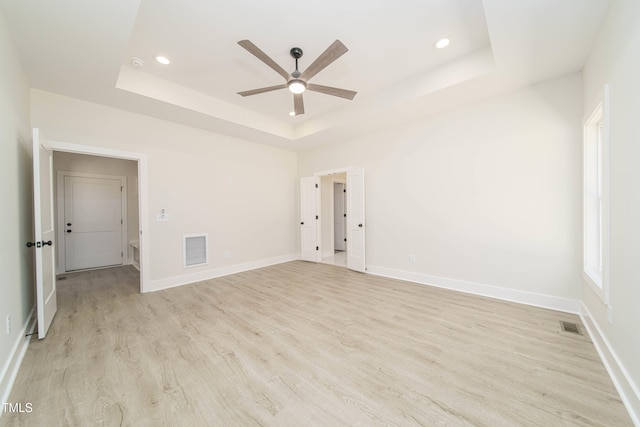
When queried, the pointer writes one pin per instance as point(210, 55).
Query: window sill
point(594, 278)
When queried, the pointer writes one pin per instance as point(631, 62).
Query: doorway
point(333, 219)
point(45, 219)
point(317, 217)
point(97, 162)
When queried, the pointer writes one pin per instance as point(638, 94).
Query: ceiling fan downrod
point(296, 53)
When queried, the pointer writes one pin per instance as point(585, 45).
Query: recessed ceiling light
point(442, 43)
point(163, 60)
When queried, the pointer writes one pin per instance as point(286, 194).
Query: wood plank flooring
point(300, 344)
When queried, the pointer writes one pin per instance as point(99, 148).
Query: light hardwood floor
point(300, 344)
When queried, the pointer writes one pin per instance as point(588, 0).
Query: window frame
point(596, 224)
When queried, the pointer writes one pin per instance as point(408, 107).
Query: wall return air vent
point(195, 250)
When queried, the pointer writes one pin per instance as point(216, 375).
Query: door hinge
point(316, 185)
point(345, 240)
point(121, 222)
point(121, 189)
point(344, 191)
point(317, 217)
point(317, 248)
point(345, 215)
point(121, 254)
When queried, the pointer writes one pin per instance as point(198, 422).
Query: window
point(596, 214)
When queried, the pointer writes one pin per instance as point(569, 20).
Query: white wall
point(489, 194)
point(72, 162)
point(239, 193)
point(615, 59)
point(16, 213)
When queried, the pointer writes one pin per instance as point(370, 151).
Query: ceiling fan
point(297, 82)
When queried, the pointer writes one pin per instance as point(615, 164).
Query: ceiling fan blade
point(262, 90)
point(333, 52)
point(342, 93)
point(298, 105)
point(255, 51)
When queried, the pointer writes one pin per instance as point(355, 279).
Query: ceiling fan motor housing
point(296, 52)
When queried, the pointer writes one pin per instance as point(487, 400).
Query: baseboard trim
point(627, 389)
point(12, 365)
point(529, 298)
point(172, 282)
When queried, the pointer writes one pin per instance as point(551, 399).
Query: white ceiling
point(84, 48)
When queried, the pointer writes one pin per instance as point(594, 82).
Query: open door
point(46, 297)
point(355, 220)
point(309, 220)
point(339, 216)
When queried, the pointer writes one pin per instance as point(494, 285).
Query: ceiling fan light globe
point(297, 86)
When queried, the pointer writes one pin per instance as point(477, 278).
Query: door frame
point(60, 205)
point(320, 174)
point(333, 209)
point(330, 222)
point(143, 195)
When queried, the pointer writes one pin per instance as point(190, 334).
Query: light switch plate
point(163, 216)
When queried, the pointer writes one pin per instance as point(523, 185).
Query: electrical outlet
point(412, 258)
point(8, 324)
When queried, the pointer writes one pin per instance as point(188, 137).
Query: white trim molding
point(12, 365)
point(628, 390)
point(529, 298)
point(186, 279)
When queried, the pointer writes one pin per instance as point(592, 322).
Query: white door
point(355, 220)
point(309, 220)
point(339, 217)
point(46, 296)
point(92, 222)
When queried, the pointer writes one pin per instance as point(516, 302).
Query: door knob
point(29, 244)
point(68, 231)
point(49, 243)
